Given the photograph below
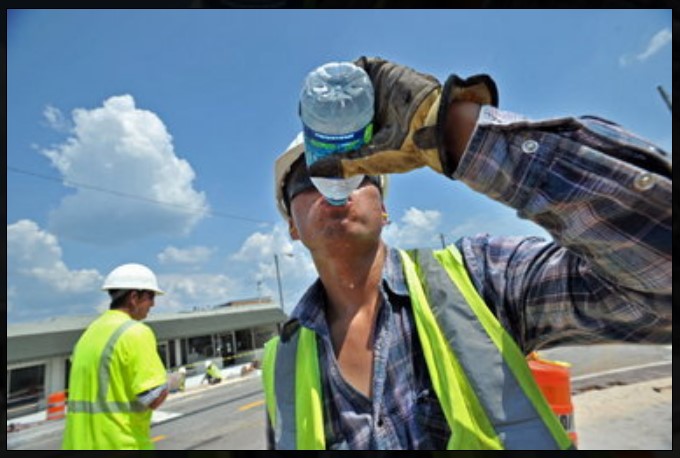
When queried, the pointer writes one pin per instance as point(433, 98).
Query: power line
point(665, 97)
point(79, 185)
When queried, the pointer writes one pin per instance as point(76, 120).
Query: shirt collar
point(393, 273)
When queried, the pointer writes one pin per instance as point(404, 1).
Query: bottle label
point(318, 145)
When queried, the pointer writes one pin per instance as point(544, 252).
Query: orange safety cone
point(56, 405)
point(554, 380)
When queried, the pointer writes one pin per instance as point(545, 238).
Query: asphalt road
point(228, 416)
point(622, 398)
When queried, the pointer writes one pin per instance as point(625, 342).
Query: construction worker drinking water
point(425, 349)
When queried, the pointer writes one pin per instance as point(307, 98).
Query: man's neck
point(352, 281)
point(352, 284)
point(126, 309)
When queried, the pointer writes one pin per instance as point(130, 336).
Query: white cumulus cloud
point(56, 120)
point(128, 180)
point(261, 245)
point(296, 270)
point(195, 291)
point(662, 38)
point(417, 228)
point(39, 283)
point(187, 256)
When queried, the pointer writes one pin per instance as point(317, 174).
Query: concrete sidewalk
point(638, 416)
point(228, 373)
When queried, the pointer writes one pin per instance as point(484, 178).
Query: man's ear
point(385, 215)
point(292, 230)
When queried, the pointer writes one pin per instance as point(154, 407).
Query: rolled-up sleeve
point(605, 195)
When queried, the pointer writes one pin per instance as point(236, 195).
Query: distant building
point(255, 300)
point(38, 354)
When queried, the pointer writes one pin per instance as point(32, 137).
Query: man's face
point(327, 228)
point(298, 180)
point(140, 304)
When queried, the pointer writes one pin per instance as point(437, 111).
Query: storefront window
point(199, 348)
point(244, 340)
point(26, 387)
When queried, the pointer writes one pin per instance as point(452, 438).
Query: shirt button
point(530, 146)
point(644, 181)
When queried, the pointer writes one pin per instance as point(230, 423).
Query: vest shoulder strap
point(494, 374)
point(293, 389)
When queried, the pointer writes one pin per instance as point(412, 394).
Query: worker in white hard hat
point(117, 377)
point(212, 373)
point(182, 372)
point(425, 349)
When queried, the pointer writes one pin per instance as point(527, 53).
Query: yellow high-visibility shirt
point(114, 360)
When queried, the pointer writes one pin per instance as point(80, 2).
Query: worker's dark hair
point(118, 297)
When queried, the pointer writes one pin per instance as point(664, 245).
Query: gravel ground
point(638, 416)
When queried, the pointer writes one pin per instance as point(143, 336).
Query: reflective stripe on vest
point(483, 382)
point(101, 405)
point(294, 364)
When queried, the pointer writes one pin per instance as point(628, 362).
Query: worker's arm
point(154, 397)
point(605, 196)
point(461, 120)
point(147, 374)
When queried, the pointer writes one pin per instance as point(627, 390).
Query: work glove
point(409, 120)
point(174, 381)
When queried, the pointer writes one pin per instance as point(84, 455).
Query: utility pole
point(259, 291)
point(278, 279)
point(441, 237)
point(278, 276)
point(666, 98)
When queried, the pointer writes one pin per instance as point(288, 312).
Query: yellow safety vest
point(485, 387)
point(114, 360)
point(214, 372)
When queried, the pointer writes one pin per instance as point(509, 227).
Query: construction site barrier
point(554, 380)
point(56, 405)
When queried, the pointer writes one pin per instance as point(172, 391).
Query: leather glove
point(409, 120)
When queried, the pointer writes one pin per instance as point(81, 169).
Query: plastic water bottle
point(336, 109)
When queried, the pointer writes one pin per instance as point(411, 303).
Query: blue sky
point(149, 136)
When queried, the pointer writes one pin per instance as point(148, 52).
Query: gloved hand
point(410, 114)
point(174, 381)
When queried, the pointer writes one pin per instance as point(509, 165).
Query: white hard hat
point(132, 276)
point(208, 363)
point(282, 168)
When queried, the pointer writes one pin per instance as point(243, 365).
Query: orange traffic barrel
point(56, 405)
point(554, 380)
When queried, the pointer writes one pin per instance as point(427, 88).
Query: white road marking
point(623, 369)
